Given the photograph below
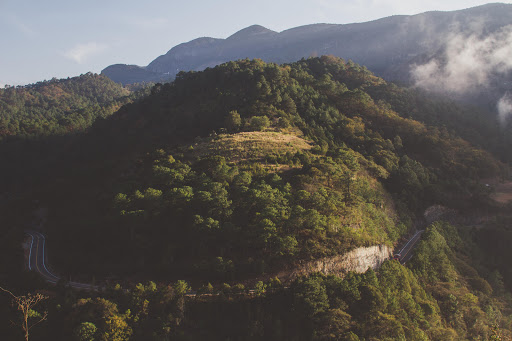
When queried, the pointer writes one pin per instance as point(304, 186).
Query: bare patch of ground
point(252, 145)
point(502, 192)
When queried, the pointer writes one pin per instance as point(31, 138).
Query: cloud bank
point(468, 63)
point(81, 52)
point(504, 109)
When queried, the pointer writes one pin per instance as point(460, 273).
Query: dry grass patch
point(254, 145)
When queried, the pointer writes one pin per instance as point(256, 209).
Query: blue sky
point(57, 38)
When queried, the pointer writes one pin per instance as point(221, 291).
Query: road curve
point(37, 261)
point(406, 253)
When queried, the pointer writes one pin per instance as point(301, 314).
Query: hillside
point(382, 45)
point(259, 161)
point(58, 107)
point(210, 185)
point(424, 49)
point(39, 121)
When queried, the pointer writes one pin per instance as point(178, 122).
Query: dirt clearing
point(502, 192)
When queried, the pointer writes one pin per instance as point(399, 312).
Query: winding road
point(405, 253)
point(37, 261)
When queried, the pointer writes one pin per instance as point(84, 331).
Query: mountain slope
point(241, 171)
point(387, 46)
point(58, 106)
point(252, 161)
point(38, 121)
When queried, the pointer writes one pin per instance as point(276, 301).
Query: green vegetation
point(227, 177)
point(438, 296)
point(40, 123)
point(218, 217)
point(58, 107)
point(313, 167)
point(474, 124)
point(249, 147)
point(495, 238)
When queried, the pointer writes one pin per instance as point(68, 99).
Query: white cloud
point(504, 109)
point(81, 52)
point(468, 62)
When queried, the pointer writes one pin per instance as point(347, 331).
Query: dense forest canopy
point(192, 177)
point(438, 296)
point(246, 170)
point(38, 123)
point(59, 106)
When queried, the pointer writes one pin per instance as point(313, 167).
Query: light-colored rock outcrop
point(357, 260)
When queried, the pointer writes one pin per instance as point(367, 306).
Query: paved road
point(406, 251)
point(37, 261)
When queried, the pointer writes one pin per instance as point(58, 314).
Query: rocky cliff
point(357, 260)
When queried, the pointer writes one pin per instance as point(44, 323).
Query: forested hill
point(456, 53)
point(228, 177)
point(332, 102)
point(58, 107)
point(251, 160)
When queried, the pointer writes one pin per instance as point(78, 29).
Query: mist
point(468, 62)
point(504, 109)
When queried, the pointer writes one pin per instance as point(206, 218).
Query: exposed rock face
point(357, 260)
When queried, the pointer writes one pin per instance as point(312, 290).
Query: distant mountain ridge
point(387, 46)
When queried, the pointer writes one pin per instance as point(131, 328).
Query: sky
point(64, 38)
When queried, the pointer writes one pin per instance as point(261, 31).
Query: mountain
point(388, 46)
point(254, 160)
point(235, 196)
point(233, 178)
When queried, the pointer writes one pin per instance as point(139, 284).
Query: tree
point(24, 304)
point(116, 329)
point(86, 331)
point(310, 296)
point(181, 288)
point(121, 200)
point(495, 333)
point(259, 123)
point(333, 324)
point(206, 289)
point(260, 288)
point(233, 121)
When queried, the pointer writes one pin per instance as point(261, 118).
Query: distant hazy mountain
point(390, 47)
